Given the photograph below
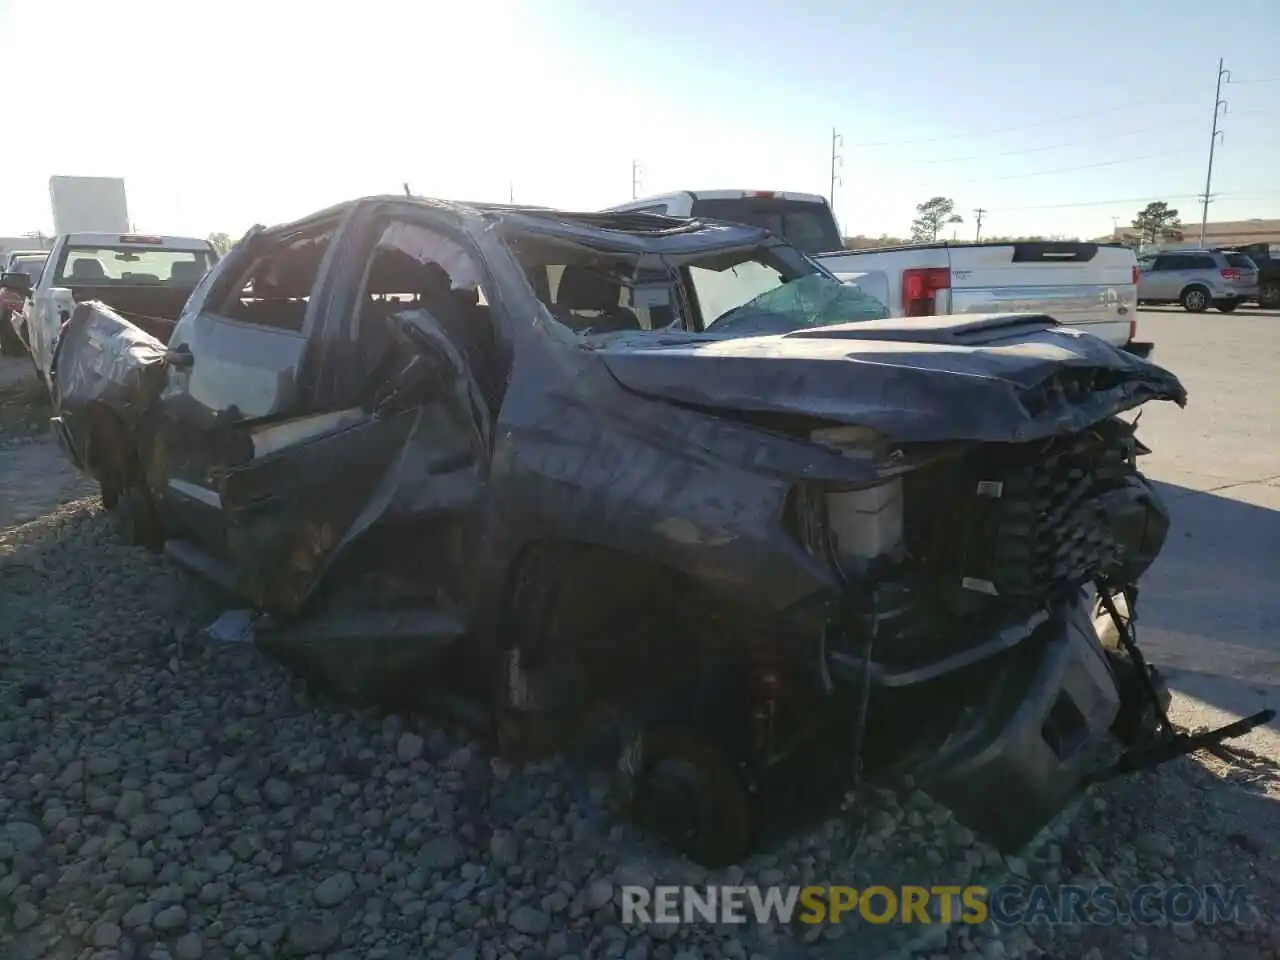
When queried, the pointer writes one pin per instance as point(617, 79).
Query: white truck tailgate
point(1086, 285)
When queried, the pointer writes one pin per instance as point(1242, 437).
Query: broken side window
point(273, 291)
point(595, 292)
point(416, 268)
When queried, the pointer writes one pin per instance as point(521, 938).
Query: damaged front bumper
point(1038, 713)
point(1039, 731)
point(1004, 732)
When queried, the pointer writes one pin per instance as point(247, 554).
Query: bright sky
point(1054, 117)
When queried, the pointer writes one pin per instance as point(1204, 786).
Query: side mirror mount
point(17, 282)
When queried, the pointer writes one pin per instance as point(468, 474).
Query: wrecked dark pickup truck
point(664, 478)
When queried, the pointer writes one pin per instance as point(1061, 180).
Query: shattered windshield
point(737, 306)
point(736, 292)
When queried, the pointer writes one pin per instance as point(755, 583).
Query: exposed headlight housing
point(866, 523)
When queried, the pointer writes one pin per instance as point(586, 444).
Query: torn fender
point(103, 364)
point(103, 358)
point(998, 378)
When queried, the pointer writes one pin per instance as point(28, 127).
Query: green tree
point(863, 242)
point(1158, 221)
point(933, 215)
point(221, 242)
point(1034, 238)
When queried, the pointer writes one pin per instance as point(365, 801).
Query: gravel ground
point(165, 796)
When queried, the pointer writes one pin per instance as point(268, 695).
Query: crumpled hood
point(992, 378)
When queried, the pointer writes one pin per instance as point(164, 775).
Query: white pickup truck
point(1093, 286)
point(1088, 285)
point(147, 279)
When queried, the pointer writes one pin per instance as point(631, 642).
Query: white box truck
point(88, 205)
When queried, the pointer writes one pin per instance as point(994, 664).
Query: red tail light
point(1133, 330)
point(1230, 273)
point(1136, 272)
point(920, 286)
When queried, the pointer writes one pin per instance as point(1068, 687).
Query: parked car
point(1198, 279)
point(652, 478)
point(1090, 286)
point(25, 260)
point(1266, 256)
point(29, 262)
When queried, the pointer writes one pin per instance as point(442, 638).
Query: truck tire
point(1269, 296)
point(690, 795)
point(1226, 306)
point(1195, 299)
point(136, 521)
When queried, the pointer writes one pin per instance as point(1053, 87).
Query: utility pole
point(977, 214)
point(1219, 108)
point(635, 179)
point(511, 192)
point(837, 162)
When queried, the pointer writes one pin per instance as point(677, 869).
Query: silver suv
point(1198, 278)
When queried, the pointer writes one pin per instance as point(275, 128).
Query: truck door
point(238, 352)
point(393, 425)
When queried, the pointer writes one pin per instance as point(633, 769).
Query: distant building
point(1224, 233)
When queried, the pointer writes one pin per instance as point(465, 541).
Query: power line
point(1072, 169)
point(1043, 149)
point(1062, 145)
point(1021, 126)
point(1119, 200)
point(1242, 83)
point(1050, 147)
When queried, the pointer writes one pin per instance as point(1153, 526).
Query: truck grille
point(1002, 533)
point(1026, 523)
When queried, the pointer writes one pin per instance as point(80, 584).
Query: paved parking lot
point(1211, 607)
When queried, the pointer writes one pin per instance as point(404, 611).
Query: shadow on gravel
point(1210, 610)
point(24, 410)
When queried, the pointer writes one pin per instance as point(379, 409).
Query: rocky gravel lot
point(166, 796)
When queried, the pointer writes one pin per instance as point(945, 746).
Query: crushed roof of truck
point(629, 229)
